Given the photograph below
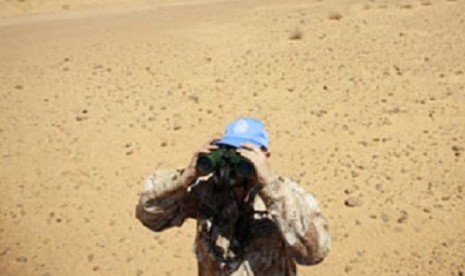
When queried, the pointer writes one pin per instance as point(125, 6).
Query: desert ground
point(364, 102)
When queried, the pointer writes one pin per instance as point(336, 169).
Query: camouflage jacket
point(286, 225)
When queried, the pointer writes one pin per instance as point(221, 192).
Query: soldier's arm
point(298, 216)
point(164, 201)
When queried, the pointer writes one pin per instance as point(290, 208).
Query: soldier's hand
point(259, 159)
point(190, 173)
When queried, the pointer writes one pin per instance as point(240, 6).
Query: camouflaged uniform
point(287, 225)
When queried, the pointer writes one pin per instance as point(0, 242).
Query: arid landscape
point(364, 102)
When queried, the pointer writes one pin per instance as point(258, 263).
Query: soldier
point(249, 221)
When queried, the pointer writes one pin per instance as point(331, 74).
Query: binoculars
point(224, 157)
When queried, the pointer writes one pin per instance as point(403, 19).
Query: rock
point(353, 201)
point(21, 259)
point(403, 216)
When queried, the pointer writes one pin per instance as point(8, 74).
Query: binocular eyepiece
point(207, 163)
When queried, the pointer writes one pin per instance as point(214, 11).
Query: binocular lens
point(245, 168)
point(207, 163)
point(204, 164)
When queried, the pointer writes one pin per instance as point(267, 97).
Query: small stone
point(403, 217)
point(335, 16)
point(354, 174)
point(353, 202)
point(296, 34)
point(384, 217)
point(21, 259)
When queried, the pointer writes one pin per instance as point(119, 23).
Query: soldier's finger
point(211, 142)
point(208, 148)
point(250, 155)
point(246, 145)
point(250, 146)
point(215, 139)
point(210, 145)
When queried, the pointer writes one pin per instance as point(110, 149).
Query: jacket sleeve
point(164, 201)
point(298, 217)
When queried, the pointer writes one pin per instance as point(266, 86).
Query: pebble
point(353, 202)
point(21, 259)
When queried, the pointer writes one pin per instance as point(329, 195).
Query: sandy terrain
point(364, 101)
